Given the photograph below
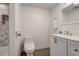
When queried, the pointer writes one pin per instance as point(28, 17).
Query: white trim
point(11, 29)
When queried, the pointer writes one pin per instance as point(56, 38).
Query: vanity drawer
point(73, 47)
point(72, 54)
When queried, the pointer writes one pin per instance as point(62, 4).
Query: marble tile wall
point(4, 28)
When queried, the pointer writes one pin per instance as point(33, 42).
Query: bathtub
point(4, 51)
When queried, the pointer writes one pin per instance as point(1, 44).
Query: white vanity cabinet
point(58, 46)
point(61, 45)
point(73, 48)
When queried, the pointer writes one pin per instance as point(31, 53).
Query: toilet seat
point(29, 47)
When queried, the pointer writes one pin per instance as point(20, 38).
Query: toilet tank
point(29, 39)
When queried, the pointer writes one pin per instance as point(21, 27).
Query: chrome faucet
point(68, 33)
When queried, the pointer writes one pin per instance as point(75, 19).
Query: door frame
point(12, 37)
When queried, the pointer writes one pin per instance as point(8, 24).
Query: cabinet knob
point(76, 50)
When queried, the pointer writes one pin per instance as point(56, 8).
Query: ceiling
point(40, 5)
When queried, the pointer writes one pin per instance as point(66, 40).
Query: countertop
point(73, 37)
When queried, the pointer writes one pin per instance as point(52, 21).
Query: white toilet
point(29, 46)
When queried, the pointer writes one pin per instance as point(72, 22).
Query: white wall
point(35, 22)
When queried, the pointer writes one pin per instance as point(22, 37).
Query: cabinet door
point(73, 48)
point(59, 47)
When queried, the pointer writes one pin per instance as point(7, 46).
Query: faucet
point(68, 33)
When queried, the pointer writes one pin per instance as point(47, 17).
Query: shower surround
point(4, 28)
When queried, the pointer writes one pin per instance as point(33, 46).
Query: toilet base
point(29, 54)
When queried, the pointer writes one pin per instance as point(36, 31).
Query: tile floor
point(40, 52)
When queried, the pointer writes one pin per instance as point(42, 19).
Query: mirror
point(71, 14)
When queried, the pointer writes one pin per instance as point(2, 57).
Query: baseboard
point(42, 48)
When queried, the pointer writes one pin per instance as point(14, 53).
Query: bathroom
point(34, 29)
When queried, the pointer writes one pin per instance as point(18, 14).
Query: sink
point(73, 37)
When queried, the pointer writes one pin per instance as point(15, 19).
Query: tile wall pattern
point(4, 28)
